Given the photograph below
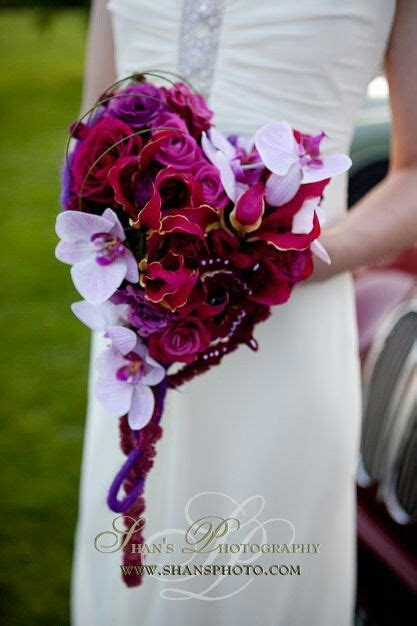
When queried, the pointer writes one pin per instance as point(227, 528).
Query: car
point(386, 299)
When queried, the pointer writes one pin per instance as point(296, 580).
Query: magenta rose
point(169, 120)
point(138, 105)
point(182, 341)
point(209, 177)
point(295, 265)
point(96, 148)
point(191, 106)
point(179, 152)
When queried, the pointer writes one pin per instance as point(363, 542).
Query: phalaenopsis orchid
point(180, 241)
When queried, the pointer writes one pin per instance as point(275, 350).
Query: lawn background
point(44, 349)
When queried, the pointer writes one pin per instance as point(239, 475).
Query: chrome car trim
point(398, 487)
point(386, 365)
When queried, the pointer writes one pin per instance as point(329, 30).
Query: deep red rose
point(96, 153)
point(122, 177)
point(182, 341)
point(295, 265)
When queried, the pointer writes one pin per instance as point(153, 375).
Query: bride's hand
point(380, 225)
point(384, 222)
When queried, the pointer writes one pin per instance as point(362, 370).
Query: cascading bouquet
point(180, 241)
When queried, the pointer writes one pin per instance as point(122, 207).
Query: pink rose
point(191, 106)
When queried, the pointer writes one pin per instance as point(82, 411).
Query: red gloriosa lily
point(168, 282)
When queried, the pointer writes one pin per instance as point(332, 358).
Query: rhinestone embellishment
point(199, 41)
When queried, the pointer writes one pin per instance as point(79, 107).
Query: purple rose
point(138, 105)
point(142, 314)
point(209, 177)
point(191, 106)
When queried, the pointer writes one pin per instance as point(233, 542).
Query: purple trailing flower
point(138, 105)
point(141, 313)
point(126, 374)
point(68, 198)
point(93, 245)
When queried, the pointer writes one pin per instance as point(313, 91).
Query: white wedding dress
point(280, 426)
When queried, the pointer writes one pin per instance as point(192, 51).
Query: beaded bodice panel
point(199, 41)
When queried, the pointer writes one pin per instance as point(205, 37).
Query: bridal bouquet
point(180, 241)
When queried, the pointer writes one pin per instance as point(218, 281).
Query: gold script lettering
point(120, 536)
point(203, 533)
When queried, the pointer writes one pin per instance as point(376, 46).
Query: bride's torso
point(305, 61)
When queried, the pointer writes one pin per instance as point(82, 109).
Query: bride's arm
point(385, 220)
point(100, 71)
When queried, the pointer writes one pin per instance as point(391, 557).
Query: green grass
point(44, 350)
